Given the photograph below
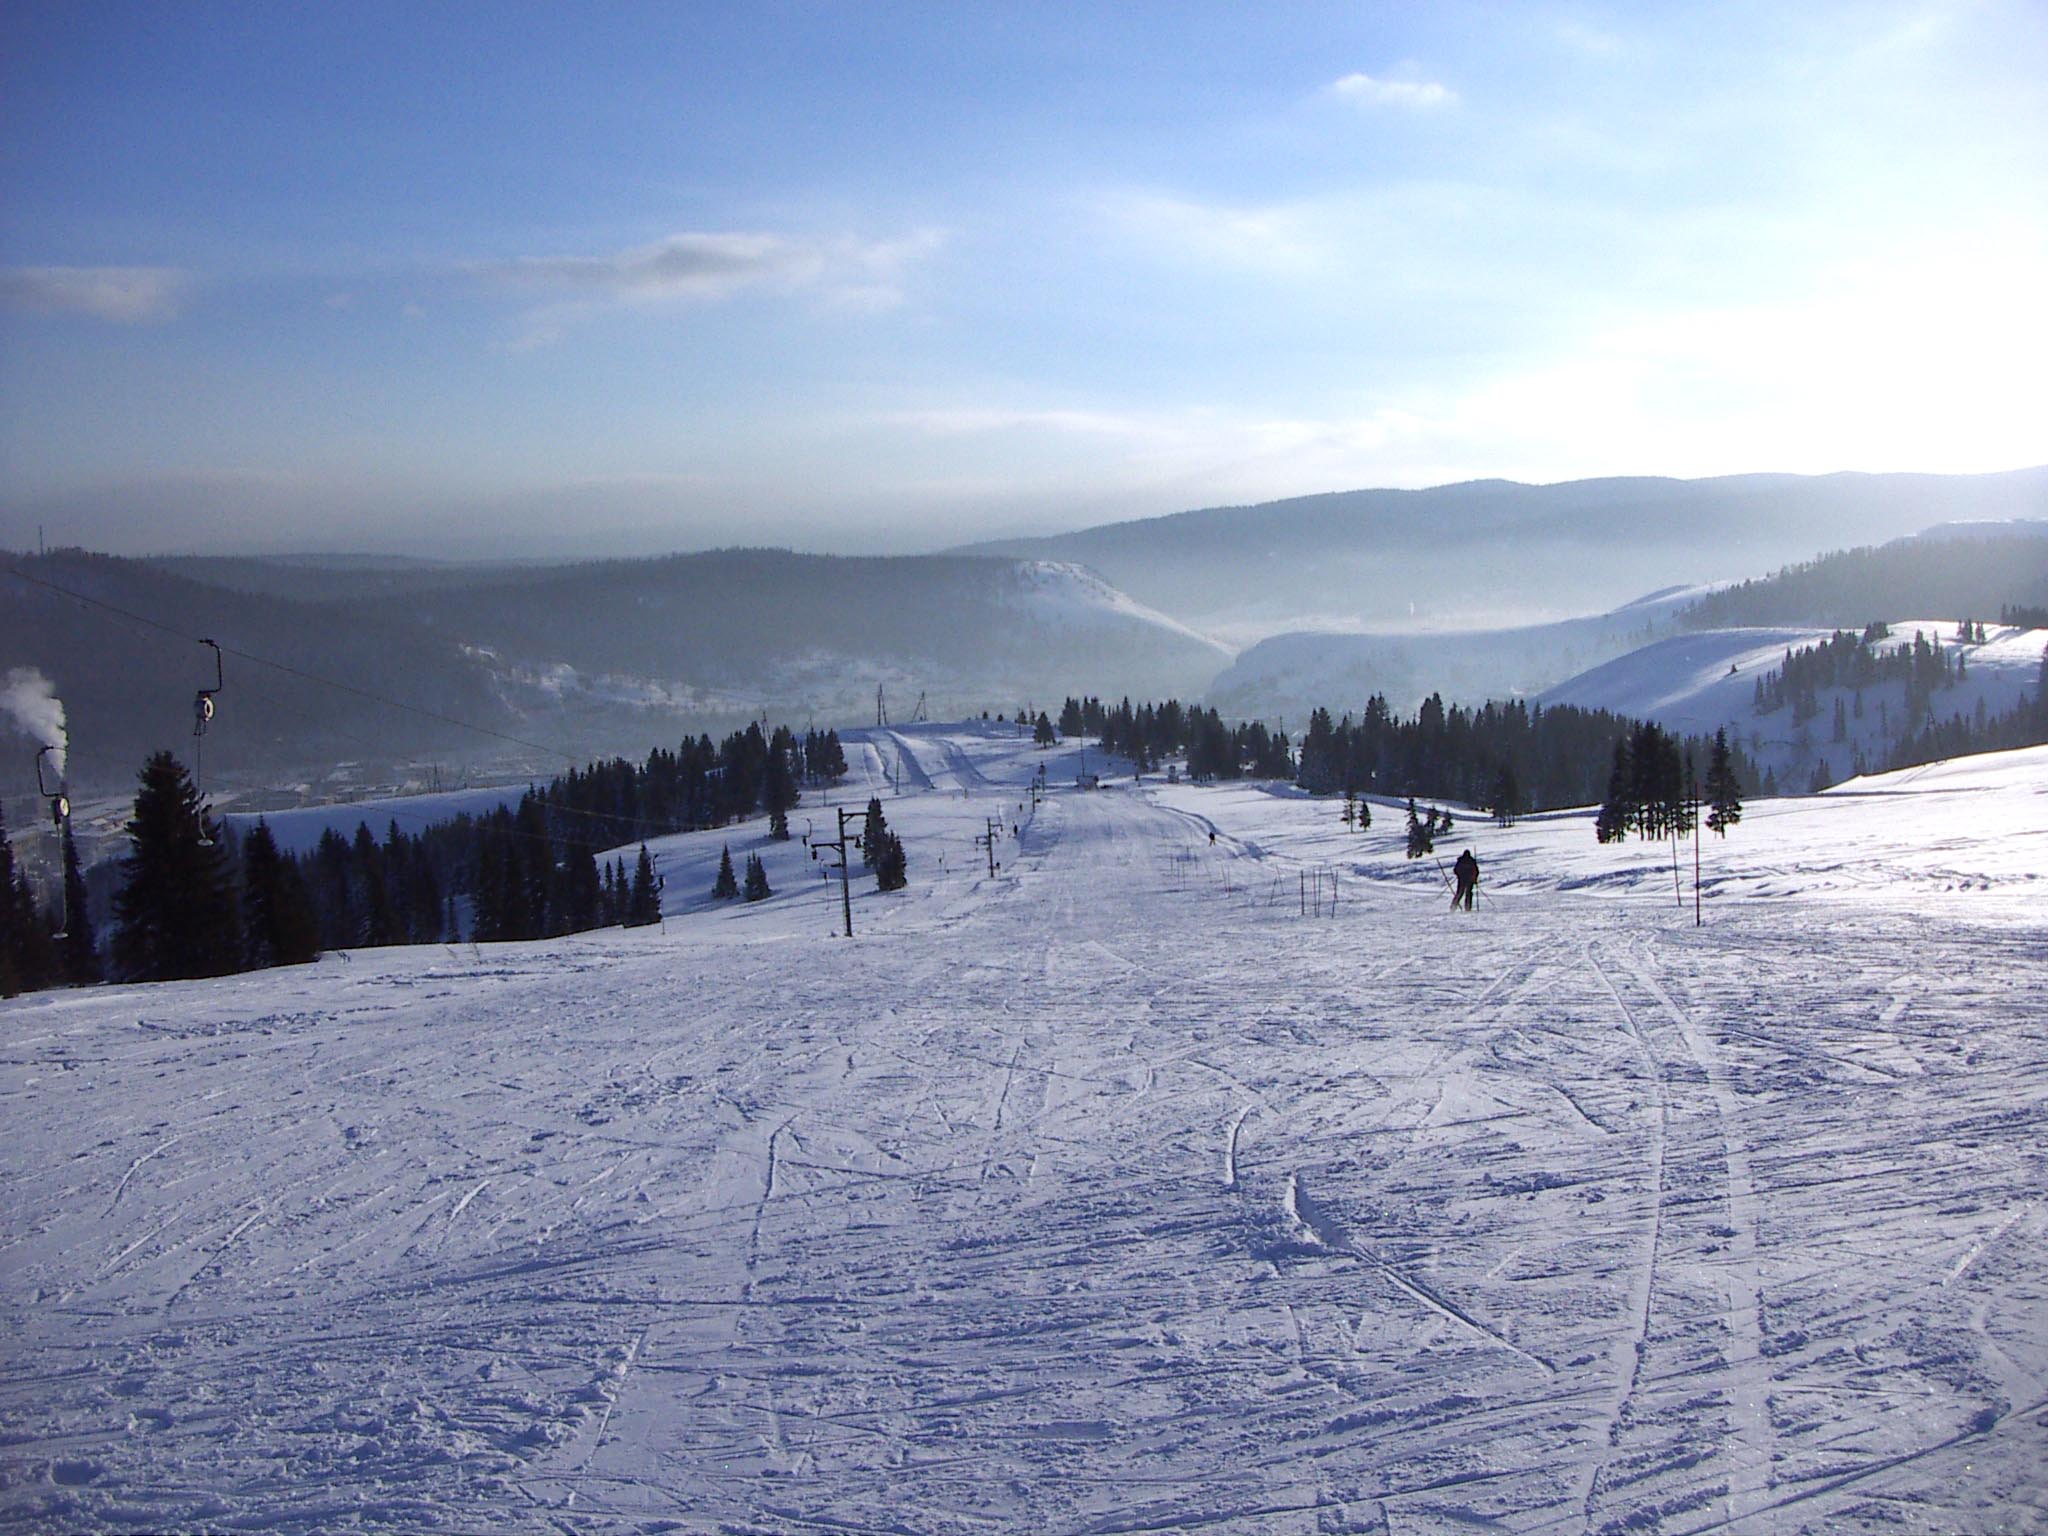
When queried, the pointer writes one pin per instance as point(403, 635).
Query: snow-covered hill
point(1124, 1190)
point(1289, 675)
point(1700, 682)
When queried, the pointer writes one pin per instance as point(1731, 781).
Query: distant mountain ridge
point(1497, 552)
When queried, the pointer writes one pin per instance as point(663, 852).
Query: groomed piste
point(1161, 1181)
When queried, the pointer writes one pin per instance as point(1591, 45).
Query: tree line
point(197, 901)
point(1509, 758)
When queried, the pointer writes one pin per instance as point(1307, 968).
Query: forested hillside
point(1962, 573)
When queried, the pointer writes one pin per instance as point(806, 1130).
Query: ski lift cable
point(291, 671)
point(272, 699)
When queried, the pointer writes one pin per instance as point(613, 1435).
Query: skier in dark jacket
point(1467, 871)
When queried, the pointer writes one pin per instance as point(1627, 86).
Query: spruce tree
point(277, 918)
point(1042, 732)
point(891, 872)
point(779, 783)
point(1724, 791)
point(725, 888)
point(643, 902)
point(11, 935)
point(873, 831)
point(1616, 811)
point(380, 920)
point(176, 912)
point(1420, 838)
point(80, 953)
point(1364, 814)
point(756, 888)
point(1507, 795)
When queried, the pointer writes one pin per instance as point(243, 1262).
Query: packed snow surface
point(1159, 1182)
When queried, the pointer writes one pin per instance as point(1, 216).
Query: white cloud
point(703, 267)
point(123, 295)
point(1414, 95)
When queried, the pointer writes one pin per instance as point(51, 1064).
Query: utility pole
point(838, 845)
point(988, 840)
point(881, 711)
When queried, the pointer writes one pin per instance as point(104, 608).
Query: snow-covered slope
point(1698, 683)
point(1109, 1193)
point(1289, 675)
point(300, 829)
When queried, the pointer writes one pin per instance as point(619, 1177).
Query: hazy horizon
point(639, 278)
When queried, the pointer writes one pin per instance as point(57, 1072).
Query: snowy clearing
point(1108, 1194)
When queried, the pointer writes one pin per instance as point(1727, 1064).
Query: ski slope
point(1122, 1191)
point(1698, 683)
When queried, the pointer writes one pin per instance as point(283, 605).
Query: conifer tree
point(1724, 792)
point(277, 917)
point(1420, 839)
point(1616, 811)
point(872, 832)
point(380, 921)
point(1042, 732)
point(726, 887)
point(779, 783)
point(756, 888)
point(1364, 814)
point(582, 892)
point(891, 873)
point(1507, 795)
point(176, 913)
point(80, 953)
point(13, 936)
point(643, 903)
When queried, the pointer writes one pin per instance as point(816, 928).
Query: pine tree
point(726, 887)
point(1507, 795)
point(872, 833)
point(1364, 814)
point(1616, 811)
point(583, 898)
point(176, 913)
point(1420, 840)
point(756, 888)
point(643, 902)
point(891, 872)
point(1724, 791)
point(1042, 732)
point(277, 917)
point(12, 937)
point(779, 783)
point(380, 921)
point(80, 954)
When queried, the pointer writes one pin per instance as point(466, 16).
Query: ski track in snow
point(1109, 1195)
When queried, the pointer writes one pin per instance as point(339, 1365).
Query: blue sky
point(544, 279)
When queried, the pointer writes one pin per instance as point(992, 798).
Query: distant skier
point(1467, 871)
